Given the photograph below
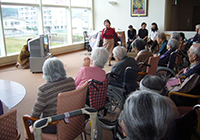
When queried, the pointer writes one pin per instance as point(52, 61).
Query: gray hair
point(53, 70)
point(100, 56)
point(176, 36)
point(173, 43)
point(138, 43)
point(196, 49)
point(147, 115)
point(197, 26)
point(152, 83)
point(119, 52)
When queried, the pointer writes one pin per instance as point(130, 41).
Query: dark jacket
point(119, 68)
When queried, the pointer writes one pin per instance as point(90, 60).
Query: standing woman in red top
point(108, 34)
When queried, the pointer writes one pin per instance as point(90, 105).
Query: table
point(11, 93)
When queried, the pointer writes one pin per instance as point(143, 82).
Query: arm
point(39, 105)
point(102, 34)
point(78, 77)
point(146, 35)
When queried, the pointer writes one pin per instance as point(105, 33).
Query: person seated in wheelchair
point(148, 116)
point(99, 57)
point(191, 82)
point(172, 45)
point(156, 84)
point(123, 61)
point(142, 55)
point(116, 76)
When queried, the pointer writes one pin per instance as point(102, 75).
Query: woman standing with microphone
point(108, 35)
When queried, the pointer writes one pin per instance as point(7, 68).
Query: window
point(19, 29)
point(55, 2)
point(52, 26)
point(79, 23)
point(20, 1)
point(79, 3)
point(21, 20)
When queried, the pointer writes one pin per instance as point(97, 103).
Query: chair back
point(153, 61)
point(130, 80)
point(172, 59)
point(97, 94)
point(8, 125)
point(69, 101)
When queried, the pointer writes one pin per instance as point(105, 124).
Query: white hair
point(147, 115)
point(100, 56)
point(119, 52)
point(173, 43)
point(196, 49)
point(53, 70)
point(176, 36)
point(197, 26)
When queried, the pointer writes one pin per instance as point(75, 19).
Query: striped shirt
point(46, 103)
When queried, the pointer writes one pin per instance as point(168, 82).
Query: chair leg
point(83, 135)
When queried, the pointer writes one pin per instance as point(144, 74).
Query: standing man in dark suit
point(131, 37)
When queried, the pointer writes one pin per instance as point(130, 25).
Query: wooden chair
point(67, 101)
point(184, 109)
point(8, 124)
point(153, 62)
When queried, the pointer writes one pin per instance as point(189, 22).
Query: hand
point(86, 62)
point(105, 30)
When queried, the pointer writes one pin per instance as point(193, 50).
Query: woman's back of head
point(100, 56)
point(147, 116)
point(53, 70)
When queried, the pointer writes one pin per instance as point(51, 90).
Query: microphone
point(105, 30)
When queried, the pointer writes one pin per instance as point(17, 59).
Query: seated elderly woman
point(142, 55)
point(176, 35)
point(161, 39)
point(156, 84)
point(146, 116)
point(99, 57)
point(123, 61)
point(149, 116)
point(172, 45)
point(57, 82)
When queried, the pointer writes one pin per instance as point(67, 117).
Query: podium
point(36, 63)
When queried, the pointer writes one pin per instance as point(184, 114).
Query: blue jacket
point(163, 48)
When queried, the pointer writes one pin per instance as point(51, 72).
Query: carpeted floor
point(31, 82)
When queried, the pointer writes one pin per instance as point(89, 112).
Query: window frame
point(40, 19)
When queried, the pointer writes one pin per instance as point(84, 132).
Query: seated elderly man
point(172, 45)
point(142, 55)
point(175, 84)
point(123, 61)
point(99, 57)
point(57, 82)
